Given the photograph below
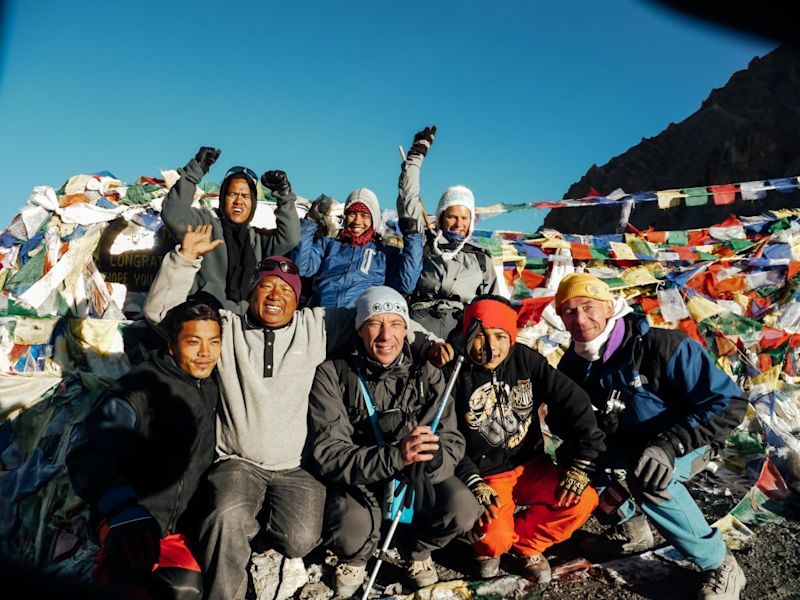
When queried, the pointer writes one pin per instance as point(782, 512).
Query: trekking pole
point(424, 213)
point(396, 520)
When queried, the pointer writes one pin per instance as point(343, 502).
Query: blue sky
point(527, 95)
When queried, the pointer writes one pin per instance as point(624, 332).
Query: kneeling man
point(370, 414)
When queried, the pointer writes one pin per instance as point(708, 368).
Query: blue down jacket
point(343, 271)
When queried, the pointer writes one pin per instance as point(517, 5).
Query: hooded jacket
point(669, 385)
point(148, 440)
point(452, 280)
point(498, 413)
point(177, 212)
point(345, 448)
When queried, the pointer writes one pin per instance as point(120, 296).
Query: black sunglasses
point(286, 266)
point(249, 172)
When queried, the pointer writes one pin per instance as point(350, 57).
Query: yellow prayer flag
point(701, 308)
point(669, 198)
point(622, 251)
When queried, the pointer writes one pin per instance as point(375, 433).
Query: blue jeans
point(675, 513)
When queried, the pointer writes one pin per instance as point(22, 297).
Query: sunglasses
point(286, 266)
point(249, 172)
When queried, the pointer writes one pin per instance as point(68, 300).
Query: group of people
point(266, 423)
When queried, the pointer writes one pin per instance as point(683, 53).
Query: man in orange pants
point(497, 401)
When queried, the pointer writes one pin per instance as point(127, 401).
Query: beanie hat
point(226, 183)
point(582, 285)
point(493, 314)
point(457, 195)
point(368, 198)
point(377, 300)
point(272, 266)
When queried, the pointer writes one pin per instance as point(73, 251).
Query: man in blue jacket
point(665, 408)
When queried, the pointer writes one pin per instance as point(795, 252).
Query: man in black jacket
point(370, 413)
point(498, 397)
point(141, 452)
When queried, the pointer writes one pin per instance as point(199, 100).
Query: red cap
point(493, 314)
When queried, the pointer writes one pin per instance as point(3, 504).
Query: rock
point(509, 587)
point(316, 591)
point(276, 577)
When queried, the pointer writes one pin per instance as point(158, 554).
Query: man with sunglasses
point(226, 271)
point(267, 365)
point(370, 412)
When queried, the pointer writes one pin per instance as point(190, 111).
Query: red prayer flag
point(531, 310)
point(724, 194)
point(580, 251)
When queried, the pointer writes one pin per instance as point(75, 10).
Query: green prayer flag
point(678, 238)
point(696, 196)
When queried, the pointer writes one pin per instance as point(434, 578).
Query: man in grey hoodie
point(266, 368)
point(226, 271)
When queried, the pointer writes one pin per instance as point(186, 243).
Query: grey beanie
point(367, 197)
point(380, 299)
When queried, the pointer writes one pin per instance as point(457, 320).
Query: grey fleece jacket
point(345, 448)
point(458, 279)
point(177, 212)
point(265, 374)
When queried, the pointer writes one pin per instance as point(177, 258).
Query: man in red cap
point(497, 401)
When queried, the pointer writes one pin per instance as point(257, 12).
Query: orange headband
point(493, 314)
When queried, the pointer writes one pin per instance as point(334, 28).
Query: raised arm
point(177, 211)
point(286, 235)
point(409, 203)
point(174, 279)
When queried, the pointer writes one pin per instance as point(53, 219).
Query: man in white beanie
point(454, 270)
point(345, 266)
point(369, 413)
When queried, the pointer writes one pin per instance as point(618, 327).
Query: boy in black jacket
point(141, 452)
point(497, 402)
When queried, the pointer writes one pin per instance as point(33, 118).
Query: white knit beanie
point(367, 197)
point(457, 195)
point(377, 300)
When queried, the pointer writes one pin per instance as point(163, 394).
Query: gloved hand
point(488, 498)
point(206, 157)
point(571, 486)
point(276, 182)
point(422, 141)
point(655, 467)
point(132, 544)
point(436, 461)
point(419, 488)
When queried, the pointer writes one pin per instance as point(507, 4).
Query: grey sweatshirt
point(265, 374)
point(177, 213)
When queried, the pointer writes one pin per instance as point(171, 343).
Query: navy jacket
point(670, 387)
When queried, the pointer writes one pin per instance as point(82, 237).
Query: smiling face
point(500, 343)
point(456, 219)
point(238, 201)
point(273, 302)
point(357, 222)
point(383, 335)
point(197, 348)
point(585, 318)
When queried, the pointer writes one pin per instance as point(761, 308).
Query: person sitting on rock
point(346, 266)
point(267, 365)
point(226, 271)
point(498, 397)
point(370, 413)
point(665, 407)
point(454, 270)
point(139, 456)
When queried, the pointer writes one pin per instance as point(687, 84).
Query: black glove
point(276, 182)
point(423, 141)
point(132, 544)
point(418, 482)
point(206, 157)
point(436, 461)
point(655, 466)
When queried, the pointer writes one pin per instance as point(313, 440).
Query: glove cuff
point(670, 445)
point(408, 225)
point(474, 480)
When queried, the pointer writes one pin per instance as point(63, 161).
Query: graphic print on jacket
point(500, 413)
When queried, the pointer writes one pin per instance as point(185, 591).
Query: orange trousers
point(535, 529)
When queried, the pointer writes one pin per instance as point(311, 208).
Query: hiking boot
point(723, 583)
point(488, 566)
point(422, 572)
point(348, 579)
point(631, 537)
point(537, 568)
